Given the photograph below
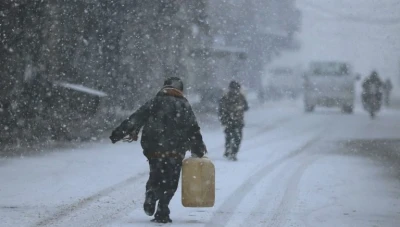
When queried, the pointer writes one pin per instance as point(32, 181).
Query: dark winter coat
point(372, 80)
point(169, 125)
point(231, 108)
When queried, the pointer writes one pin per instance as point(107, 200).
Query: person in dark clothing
point(373, 79)
point(387, 88)
point(372, 85)
point(169, 130)
point(231, 114)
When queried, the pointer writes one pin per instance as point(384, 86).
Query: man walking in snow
point(170, 129)
point(231, 114)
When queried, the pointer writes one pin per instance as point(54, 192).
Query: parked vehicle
point(282, 82)
point(329, 84)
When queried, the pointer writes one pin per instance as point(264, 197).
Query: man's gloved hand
point(194, 155)
point(116, 136)
point(199, 151)
point(113, 139)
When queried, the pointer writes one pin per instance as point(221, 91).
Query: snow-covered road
point(294, 169)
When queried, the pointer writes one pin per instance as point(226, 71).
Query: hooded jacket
point(232, 107)
point(168, 122)
point(373, 79)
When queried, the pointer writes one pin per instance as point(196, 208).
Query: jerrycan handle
point(195, 156)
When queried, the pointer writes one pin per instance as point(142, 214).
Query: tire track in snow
point(275, 139)
point(223, 215)
point(278, 218)
point(82, 203)
point(262, 198)
point(69, 210)
point(260, 132)
point(86, 202)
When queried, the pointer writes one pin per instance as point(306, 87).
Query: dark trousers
point(233, 138)
point(163, 180)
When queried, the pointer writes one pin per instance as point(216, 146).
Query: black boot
point(162, 220)
point(149, 204)
point(162, 214)
point(234, 153)
point(234, 157)
point(226, 155)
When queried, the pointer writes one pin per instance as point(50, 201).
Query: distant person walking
point(231, 114)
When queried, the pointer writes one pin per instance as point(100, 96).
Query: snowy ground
point(294, 169)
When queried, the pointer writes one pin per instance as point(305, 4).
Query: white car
point(329, 84)
point(282, 82)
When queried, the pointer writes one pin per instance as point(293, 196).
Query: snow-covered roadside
point(284, 160)
point(229, 179)
point(33, 187)
point(337, 198)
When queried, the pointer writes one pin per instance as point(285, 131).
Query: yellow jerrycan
point(198, 182)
